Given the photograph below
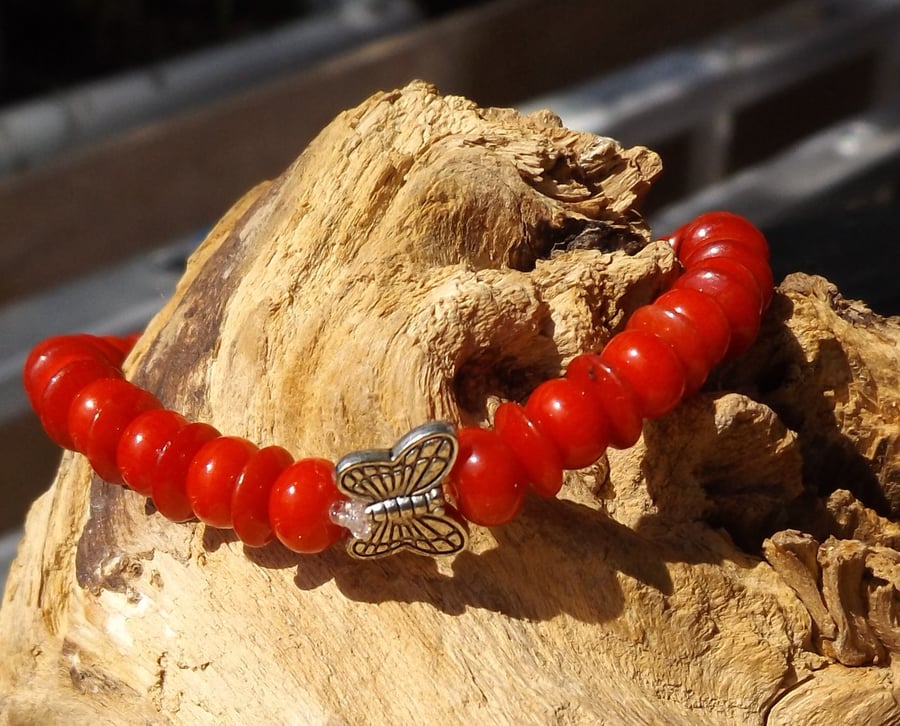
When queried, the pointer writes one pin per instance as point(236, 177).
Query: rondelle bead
point(168, 489)
point(299, 505)
point(120, 344)
point(738, 273)
point(649, 367)
point(533, 448)
point(212, 475)
point(113, 353)
point(619, 402)
point(98, 416)
point(141, 444)
point(735, 251)
point(52, 355)
point(487, 481)
point(741, 305)
point(572, 418)
point(250, 500)
point(676, 331)
point(707, 317)
point(716, 227)
point(61, 390)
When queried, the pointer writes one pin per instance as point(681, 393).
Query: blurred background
point(127, 127)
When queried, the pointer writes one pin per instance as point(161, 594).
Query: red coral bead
point(168, 489)
point(735, 251)
point(299, 506)
point(573, 420)
point(649, 367)
point(111, 352)
point(98, 416)
point(719, 226)
point(737, 272)
point(741, 305)
point(211, 478)
point(250, 500)
point(141, 444)
point(621, 405)
point(122, 345)
point(62, 389)
point(707, 317)
point(681, 336)
point(536, 452)
point(487, 481)
point(51, 356)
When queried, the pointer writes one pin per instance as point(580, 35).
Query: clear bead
point(351, 514)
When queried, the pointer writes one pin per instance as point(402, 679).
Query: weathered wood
point(426, 258)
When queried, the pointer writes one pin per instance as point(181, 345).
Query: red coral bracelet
point(397, 499)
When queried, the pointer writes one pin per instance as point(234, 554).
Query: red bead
point(737, 252)
point(649, 367)
point(299, 505)
point(250, 500)
point(619, 402)
point(211, 477)
point(141, 444)
point(536, 452)
point(717, 227)
point(61, 390)
point(707, 317)
point(738, 273)
point(676, 331)
point(122, 345)
point(99, 415)
point(573, 420)
point(487, 481)
point(109, 351)
point(168, 490)
point(52, 355)
point(740, 304)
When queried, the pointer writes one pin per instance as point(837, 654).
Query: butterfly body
point(397, 509)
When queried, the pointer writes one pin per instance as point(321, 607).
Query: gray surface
point(8, 544)
point(805, 176)
point(35, 131)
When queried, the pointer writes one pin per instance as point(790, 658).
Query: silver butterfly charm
point(396, 500)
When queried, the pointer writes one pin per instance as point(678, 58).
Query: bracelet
point(421, 494)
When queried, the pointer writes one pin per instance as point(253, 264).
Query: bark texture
point(425, 259)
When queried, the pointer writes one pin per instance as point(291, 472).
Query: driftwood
point(425, 259)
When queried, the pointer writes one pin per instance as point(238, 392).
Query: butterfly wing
point(424, 457)
point(416, 463)
point(433, 534)
point(372, 480)
point(429, 534)
point(379, 543)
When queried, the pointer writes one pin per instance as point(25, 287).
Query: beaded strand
point(190, 470)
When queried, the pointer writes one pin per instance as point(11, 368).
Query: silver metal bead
point(396, 496)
